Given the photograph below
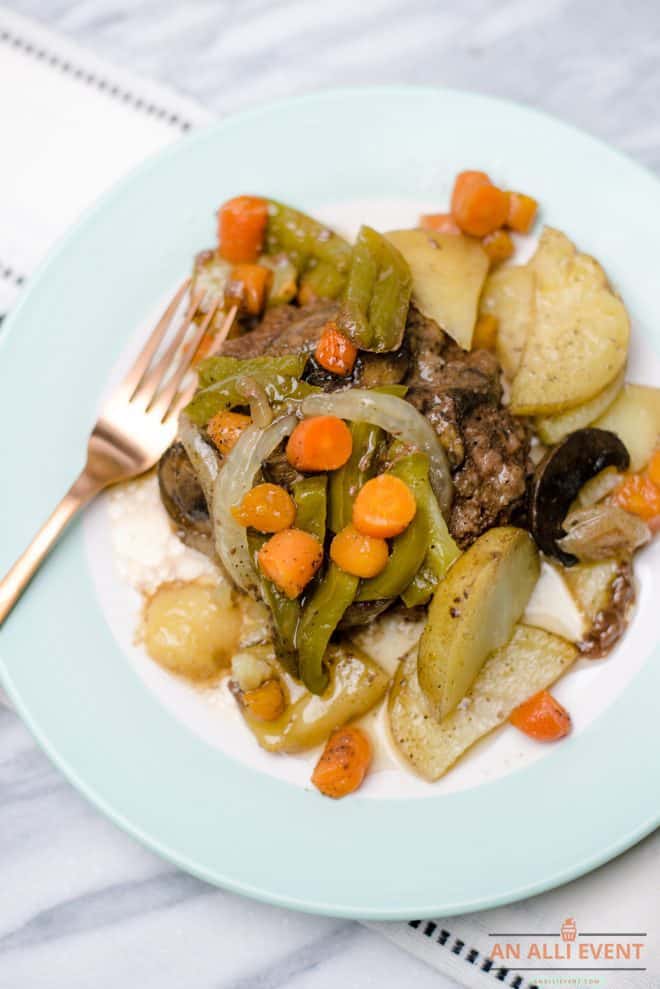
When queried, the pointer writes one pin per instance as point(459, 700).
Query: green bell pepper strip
point(319, 619)
point(215, 369)
point(310, 496)
point(226, 394)
point(365, 264)
point(408, 549)
point(285, 611)
point(303, 238)
point(390, 301)
point(420, 589)
point(377, 294)
point(440, 555)
point(347, 481)
point(322, 280)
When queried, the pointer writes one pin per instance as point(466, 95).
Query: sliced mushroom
point(183, 498)
point(559, 477)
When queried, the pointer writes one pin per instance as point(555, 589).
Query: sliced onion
point(395, 416)
point(260, 410)
point(205, 460)
point(234, 481)
point(601, 532)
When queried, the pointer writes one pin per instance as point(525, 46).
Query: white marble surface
point(81, 904)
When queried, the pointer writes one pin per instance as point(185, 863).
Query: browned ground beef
point(289, 329)
point(487, 447)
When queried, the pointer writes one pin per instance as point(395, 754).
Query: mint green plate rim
point(586, 801)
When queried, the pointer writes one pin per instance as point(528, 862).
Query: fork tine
point(167, 397)
point(133, 379)
point(153, 379)
point(222, 333)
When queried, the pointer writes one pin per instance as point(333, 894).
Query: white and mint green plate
point(384, 853)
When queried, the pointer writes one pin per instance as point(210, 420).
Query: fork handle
point(17, 579)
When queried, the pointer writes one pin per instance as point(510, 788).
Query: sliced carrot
point(320, 443)
point(443, 223)
point(343, 763)
point(485, 332)
point(654, 468)
point(498, 246)
point(542, 717)
point(363, 556)
point(266, 702)
point(242, 228)
point(478, 206)
point(267, 508)
point(290, 559)
point(521, 212)
point(639, 496)
point(334, 351)
point(384, 507)
point(225, 428)
point(248, 287)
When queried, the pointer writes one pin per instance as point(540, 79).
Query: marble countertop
point(82, 904)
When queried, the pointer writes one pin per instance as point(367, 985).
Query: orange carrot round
point(363, 556)
point(498, 246)
point(290, 559)
point(443, 223)
point(242, 228)
point(384, 507)
point(267, 508)
point(225, 428)
point(542, 717)
point(266, 702)
point(334, 351)
point(319, 443)
point(343, 763)
point(521, 212)
point(247, 287)
point(477, 205)
point(639, 496)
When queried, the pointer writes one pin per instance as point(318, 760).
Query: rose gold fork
point(136, 425)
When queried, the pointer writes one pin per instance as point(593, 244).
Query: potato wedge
point(579, 339)
point(605, 593)
point(448, 273)
point(635, 418)
point(530, 662)
point(509, 296)
point(356, 685)
point(473, 612)
point(552, 429)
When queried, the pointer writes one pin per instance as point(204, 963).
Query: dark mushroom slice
point(559, 477)
point(184, 501)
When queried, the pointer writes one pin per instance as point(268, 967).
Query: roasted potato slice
point(552, 429)
point(356, 685)
point(578, 343)
point(509, 296)
point(605, 593)
point(635, 418)
point(530, 662)
point(448, 272)
point(473, 612)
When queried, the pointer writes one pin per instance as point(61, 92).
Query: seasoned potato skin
point(531, 661)
point(356, 684)
point(473, 612)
